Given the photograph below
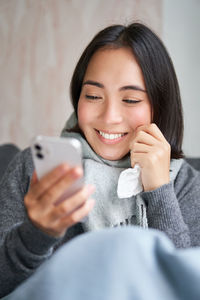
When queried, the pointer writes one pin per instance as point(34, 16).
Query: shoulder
point(22, 161)
point(20, 169)
point(187, 171)
point(26, 160)
point(187, 180)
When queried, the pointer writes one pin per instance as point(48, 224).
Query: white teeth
point(111, 136)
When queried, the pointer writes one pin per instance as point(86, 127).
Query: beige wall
point(40, 42)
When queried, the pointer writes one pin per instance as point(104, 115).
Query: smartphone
point(49, 152)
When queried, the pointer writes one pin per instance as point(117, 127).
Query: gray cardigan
point(173, 208)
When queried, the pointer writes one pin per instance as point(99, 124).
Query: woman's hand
point(151, 151)
point(55, 219)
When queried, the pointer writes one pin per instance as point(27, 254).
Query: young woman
point(127, 104)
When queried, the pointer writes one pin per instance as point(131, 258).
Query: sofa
point(7, 152)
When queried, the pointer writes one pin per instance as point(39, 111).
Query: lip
point(113, 141)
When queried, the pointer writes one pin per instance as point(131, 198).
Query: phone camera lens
point(37, 147)
point(40, 155)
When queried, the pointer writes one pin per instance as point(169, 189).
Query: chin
point(108, 156)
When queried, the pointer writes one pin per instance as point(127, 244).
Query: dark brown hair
point(158, 72)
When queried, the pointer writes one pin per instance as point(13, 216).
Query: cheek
point(140, 116)
point(84, 114)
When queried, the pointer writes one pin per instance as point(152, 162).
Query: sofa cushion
point(7, 152)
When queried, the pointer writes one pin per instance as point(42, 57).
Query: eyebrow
point(132, 87)
point(95, 83)
point(123, 88)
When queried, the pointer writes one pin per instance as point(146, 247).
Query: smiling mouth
point(111, 136)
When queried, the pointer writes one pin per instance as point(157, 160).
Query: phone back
point(49, 152)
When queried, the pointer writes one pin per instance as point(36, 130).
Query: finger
point(145, 160)
point(75, 216)
point(140, 148)
point(137, 158)
point(153, 130)
point(71, 204)
point(33, 179)
point(143, 137)
point(48, 180)
point(60, 187)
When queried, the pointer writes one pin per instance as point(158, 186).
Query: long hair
point(158, 72)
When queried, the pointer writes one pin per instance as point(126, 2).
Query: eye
point(130, 101)
point(92, 97)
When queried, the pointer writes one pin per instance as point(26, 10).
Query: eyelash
point(128, 101)
point(92, 97)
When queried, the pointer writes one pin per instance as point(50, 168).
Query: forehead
point(117, 66)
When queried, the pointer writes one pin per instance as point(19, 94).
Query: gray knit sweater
point(173, 208)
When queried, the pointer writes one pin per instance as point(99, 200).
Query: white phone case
point(49, 152)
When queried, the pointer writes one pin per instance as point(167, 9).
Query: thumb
point(34, 179)
point(132, 159)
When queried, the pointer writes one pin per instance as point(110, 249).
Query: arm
point(164, 213)
point(151, 151)
point(187, 189)
point(178, 213)
point(31, 223)
point(22, 246)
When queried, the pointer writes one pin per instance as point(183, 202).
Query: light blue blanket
point(116, 264)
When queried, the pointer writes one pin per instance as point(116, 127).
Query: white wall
point(181, 35)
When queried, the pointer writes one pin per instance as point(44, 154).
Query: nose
point(112, 113)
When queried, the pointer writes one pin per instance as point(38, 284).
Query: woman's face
point(113, 102)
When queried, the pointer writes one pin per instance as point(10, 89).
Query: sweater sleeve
point(175, 208)
point(23, 247)
point(163, 213)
